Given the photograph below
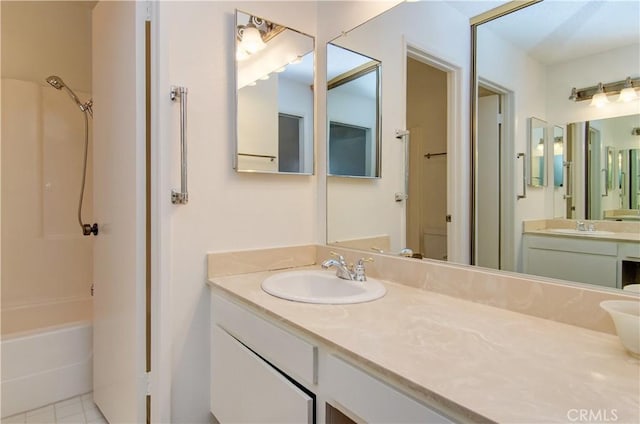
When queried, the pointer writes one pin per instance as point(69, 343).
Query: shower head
point(57, 83)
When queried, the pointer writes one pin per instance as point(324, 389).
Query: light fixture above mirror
point(254, 35)
point(598, 94)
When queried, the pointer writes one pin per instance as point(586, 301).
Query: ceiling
point(554, 31)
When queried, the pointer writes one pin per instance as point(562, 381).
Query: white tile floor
point(77, 410)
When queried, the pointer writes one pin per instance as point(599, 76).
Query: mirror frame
point(476, 21)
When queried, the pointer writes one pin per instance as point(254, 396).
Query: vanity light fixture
point(253, 37)
point(600, 98)
point(598, 94)
point(628, 93)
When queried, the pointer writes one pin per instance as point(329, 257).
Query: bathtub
point(46, 354)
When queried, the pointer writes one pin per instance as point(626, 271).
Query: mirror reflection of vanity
point(274, 97)
point(556, 79)
point(520, 64)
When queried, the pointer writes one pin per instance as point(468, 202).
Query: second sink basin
point(314, 286)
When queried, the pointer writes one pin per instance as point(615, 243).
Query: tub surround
point(623, 231)
point(471, 359)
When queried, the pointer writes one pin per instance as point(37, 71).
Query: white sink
point(314, 286)
point(573, 231)
point(626, 318)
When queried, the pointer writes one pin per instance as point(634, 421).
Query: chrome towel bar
point(181, 197)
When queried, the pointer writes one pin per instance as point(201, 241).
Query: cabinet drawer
point(630, 250)
point(245, 388)
point(293, 355)
point(572, 244)
point(371, 399)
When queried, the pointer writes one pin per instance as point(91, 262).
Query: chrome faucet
point(344, 271)
point(585, 226)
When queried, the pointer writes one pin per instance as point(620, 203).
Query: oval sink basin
point(315, 286)
point(581, 233)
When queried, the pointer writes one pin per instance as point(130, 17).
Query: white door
point(488, 184)
point(119, 208)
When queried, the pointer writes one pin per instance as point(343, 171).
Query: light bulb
point(264, 78)
point(251, 39)
point(600, 98)
point(628, 94)
point(280, 69)
point(241, 54)
point(295, 60)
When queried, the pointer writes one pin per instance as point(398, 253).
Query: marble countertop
point(486, 362)
point(633, 237)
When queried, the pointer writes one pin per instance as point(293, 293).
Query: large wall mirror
point(274, 97)
point(550, 59)
point(400, 94)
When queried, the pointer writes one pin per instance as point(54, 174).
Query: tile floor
point(77, 410)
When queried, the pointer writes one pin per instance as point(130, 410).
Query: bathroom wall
point(226, 211)
point(45, 257)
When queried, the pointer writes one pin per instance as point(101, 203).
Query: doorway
point(427, 121)
point(496, 162)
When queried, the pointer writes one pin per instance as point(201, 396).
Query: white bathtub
point(45, 365)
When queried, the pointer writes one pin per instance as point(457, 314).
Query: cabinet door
point(371, 399)
point(245, 388)
point(582, 267)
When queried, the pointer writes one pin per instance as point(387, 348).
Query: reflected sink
point(315, 286)
point(580, 232)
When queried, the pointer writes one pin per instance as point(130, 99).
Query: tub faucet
point(581, 226)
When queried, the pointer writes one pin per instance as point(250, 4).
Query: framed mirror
point(353, 114)
point(274, 97)
point(537, 152)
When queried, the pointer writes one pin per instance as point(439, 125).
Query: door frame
point(507, 251)
point(457, 230)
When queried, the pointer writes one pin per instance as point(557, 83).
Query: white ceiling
point(558, 30)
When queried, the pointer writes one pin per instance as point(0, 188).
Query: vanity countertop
point(488, 363)
point(623, 237)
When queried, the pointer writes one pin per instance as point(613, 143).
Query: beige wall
point(57, 37)
point(45, 257)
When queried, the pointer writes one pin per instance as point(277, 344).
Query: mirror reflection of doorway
point(496, 187)
point(488, 174)
point(427, 122)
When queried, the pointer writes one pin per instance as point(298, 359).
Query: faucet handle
point(339, 257)
point(358, 271)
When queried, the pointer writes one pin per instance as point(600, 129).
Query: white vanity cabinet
point(257, 369)
point(248, 389)
point(263, 371)
point(582, 258)
point(569, 258)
